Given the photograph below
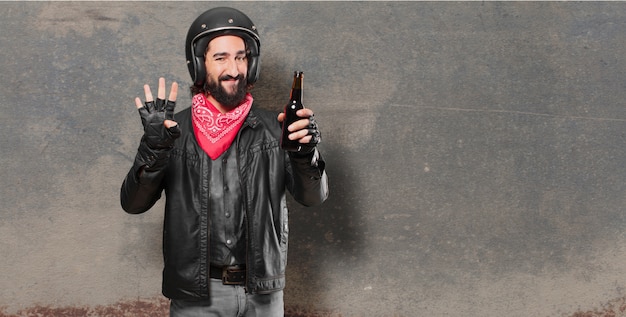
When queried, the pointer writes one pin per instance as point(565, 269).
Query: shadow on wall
point(324, 240)
point(321, 238)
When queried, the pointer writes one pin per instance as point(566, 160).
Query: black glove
point(157, 140)
point(316, 137)
point(155, 134)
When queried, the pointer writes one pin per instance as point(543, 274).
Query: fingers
point(306, 136)
point(305, 114)
point(148, 93)
point(173, 92)
point(301, 130)
point(169, 123)
point(298, 125)
point(160, 93)
point(305, 130)
point(302, 135)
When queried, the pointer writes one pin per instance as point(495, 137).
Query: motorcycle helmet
point(217, 22)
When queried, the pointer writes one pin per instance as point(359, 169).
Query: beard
point(226, 99)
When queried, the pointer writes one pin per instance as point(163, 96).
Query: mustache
point(228, 77)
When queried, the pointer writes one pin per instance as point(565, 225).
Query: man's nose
point(232, 68)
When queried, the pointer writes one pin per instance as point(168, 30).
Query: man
point(224, 176)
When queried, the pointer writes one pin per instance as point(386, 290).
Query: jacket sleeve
point(309, 181)
point(142, 186)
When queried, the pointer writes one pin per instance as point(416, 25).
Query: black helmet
point(217, 22)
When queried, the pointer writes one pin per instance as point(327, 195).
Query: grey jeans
point(230, 301)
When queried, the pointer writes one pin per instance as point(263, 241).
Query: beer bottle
point(294, 104)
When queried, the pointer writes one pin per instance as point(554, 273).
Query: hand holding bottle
point(300, 131)
point(303, 132)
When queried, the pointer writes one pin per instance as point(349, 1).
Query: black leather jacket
point(265, 171)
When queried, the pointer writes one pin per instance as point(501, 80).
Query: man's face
point(227, 65)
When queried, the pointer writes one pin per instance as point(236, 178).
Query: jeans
point(230, 301)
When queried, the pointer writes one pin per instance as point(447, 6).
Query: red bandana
point(216, 131)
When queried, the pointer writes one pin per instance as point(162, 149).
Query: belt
point(230, 275)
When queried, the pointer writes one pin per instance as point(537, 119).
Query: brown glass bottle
point(294, 104)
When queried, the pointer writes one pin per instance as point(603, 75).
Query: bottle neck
point(296, 94)
point(296, 87)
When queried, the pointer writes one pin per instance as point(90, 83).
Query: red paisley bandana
point(216, 131)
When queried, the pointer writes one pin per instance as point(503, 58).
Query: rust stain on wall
point(614, 308)
point(160, 307)
point(152, 307)
point(299, 312)
point(135, 308)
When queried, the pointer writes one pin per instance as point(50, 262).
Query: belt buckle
point(233, 275)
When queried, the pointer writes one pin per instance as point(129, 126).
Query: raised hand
point(160, 129)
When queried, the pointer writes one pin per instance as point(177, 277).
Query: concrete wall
point(475, 152)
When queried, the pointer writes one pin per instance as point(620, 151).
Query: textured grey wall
point(475, 152)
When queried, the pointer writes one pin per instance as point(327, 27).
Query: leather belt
point(230, 275)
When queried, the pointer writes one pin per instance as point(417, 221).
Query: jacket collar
point(252, 120)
